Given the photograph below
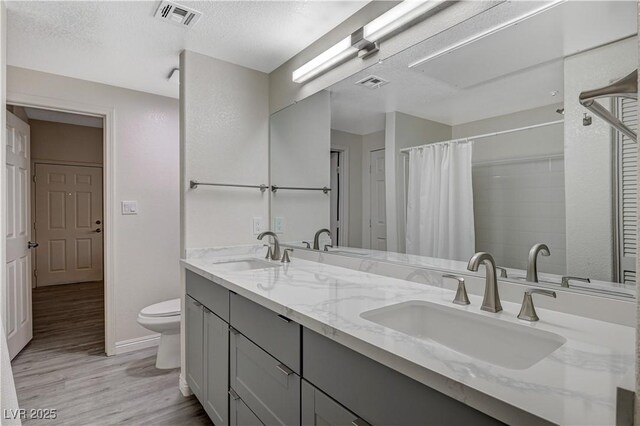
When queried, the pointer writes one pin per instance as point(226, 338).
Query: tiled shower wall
point(517, 204)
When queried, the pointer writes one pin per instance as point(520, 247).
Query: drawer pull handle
point(286, 370)
point(283, 318)
point(233, 394)
point(359, 422)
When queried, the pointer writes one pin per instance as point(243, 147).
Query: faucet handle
point(327, 246)
point(269, 252)
point(306, 243)
point(461, 294)
point(285, 255)
point(503, 271)
point(528, 311)
point(567, 278)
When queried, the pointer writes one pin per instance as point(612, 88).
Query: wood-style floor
point(64, 368)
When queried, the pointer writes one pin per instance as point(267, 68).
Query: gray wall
point(300, 138)
point(224, 139)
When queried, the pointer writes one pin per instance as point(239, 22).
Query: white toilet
point(164, 318)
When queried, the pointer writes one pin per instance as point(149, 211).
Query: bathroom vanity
point(312, 343)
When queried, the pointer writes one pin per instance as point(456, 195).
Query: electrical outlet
point(278, 225)
point(258, 225)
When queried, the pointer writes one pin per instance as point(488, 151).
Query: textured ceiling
point(515, 69)
point(122, 44)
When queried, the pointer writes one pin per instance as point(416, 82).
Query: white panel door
point(68, 224)
point(18, 318)
point(378, 203)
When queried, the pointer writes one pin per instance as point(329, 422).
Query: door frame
point(344, 192)
point(108, 192)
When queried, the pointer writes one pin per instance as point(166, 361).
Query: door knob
point(98, 222)
point(31, 245)
point(98, 230)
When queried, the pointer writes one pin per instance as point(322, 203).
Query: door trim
point(344, 193)
point(108, 194)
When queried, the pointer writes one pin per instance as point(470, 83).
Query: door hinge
point(369, 223)
point(369, 168)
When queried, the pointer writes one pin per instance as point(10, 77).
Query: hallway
point(64, 368)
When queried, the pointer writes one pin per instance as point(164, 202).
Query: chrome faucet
point(491, 301)
point(528, 311)
point(316, 238)
point(567, 278)
point(275, 253)
point(532, 264)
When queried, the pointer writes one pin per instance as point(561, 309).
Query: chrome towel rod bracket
point(324, 189)
point(193, 184)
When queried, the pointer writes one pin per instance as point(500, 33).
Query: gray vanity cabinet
point(382, 396)
point(216, 368)
point(320, 410)
point(194, 336)
point(269, 388)
point(240, 415)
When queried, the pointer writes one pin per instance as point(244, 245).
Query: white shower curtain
point(440, 201)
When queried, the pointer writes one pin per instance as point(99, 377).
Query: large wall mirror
point(475, 140)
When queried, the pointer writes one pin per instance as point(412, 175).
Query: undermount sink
point(487, 339)
point(239, 265)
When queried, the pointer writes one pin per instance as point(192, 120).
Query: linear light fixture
point(330, 58)
point(364, 41)
point(487, 33)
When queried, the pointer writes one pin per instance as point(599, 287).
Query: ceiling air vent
point(177, 14)
point(372, 82)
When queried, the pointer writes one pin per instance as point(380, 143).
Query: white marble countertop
point(575, 385)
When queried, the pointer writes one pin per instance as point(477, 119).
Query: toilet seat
point(168, 308)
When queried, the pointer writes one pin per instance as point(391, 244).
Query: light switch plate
point(278, 225)
point(129, 207)
point(258, 225)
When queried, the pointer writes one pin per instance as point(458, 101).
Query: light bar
point(364, 40)
point(328, 59)
point(396, 18)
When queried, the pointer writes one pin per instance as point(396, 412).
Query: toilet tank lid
point(162, 309)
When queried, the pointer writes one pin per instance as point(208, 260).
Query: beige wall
point(65, 142)
point(146, 169)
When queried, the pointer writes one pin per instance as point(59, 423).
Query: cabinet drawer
point(213, 296)
point(275, 334)
point(320, 410)
point(268, 387)
point(240, 415)
point(380, 395)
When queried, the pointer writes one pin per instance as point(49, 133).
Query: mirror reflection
point(435, 154)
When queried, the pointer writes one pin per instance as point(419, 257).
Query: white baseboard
point(184, 387)
point(136, 344)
